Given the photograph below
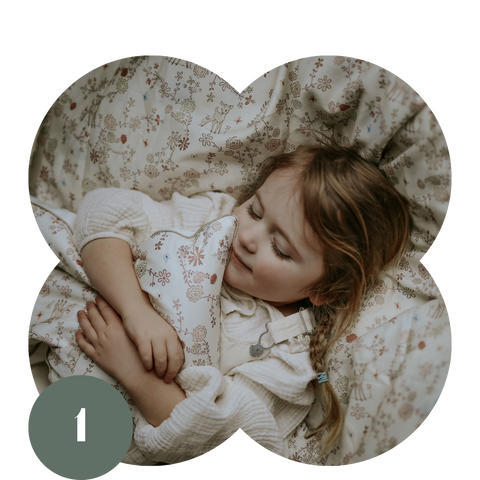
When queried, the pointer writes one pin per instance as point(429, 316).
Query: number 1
point(81, 425)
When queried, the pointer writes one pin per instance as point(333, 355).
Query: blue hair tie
point(322, 377)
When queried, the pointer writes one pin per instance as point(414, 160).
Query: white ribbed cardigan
point(266, 397)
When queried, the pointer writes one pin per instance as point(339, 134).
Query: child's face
point(275, 255)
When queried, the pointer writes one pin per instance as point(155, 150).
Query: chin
point(230, 280)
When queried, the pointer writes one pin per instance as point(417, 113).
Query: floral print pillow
point(182, 273)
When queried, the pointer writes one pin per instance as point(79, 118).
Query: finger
point(175, 360)
point(160, 356)
point(106, 310)
point(84, 345)
point(168, 368)
point(145, 352)
point(86, 326)
point(95, 317)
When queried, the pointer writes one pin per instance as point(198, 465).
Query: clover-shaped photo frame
point(161, 125)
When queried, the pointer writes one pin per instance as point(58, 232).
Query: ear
point(317, 299)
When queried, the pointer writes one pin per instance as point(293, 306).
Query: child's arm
point(154, 398)
point(110, 347)
point(108, 264)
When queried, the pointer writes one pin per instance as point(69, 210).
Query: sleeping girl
point(318, 230)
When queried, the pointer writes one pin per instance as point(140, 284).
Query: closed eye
point(275, 248)
point(252, 213)
point(277, 251)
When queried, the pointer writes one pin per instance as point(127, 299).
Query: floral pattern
point(180, 286)
point(161, 124)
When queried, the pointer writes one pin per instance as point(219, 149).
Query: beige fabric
point(138, 219)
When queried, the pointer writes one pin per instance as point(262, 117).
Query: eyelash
point(275, 249)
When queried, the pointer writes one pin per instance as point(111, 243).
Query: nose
point(246, 236)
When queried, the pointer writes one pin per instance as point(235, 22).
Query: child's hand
point(157, 342)
point(108, 344)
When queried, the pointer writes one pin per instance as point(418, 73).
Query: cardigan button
point(256, 350)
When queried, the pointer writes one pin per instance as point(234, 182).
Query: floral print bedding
point(160, 124)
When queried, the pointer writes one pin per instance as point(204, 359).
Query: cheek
point(275, 272)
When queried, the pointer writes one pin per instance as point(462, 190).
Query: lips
point(238, 261)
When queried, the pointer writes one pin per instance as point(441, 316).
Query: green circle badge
point(80, 427)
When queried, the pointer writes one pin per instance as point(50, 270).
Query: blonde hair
point(363, 225)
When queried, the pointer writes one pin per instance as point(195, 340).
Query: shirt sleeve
point(217, 406)
point(133, 216)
